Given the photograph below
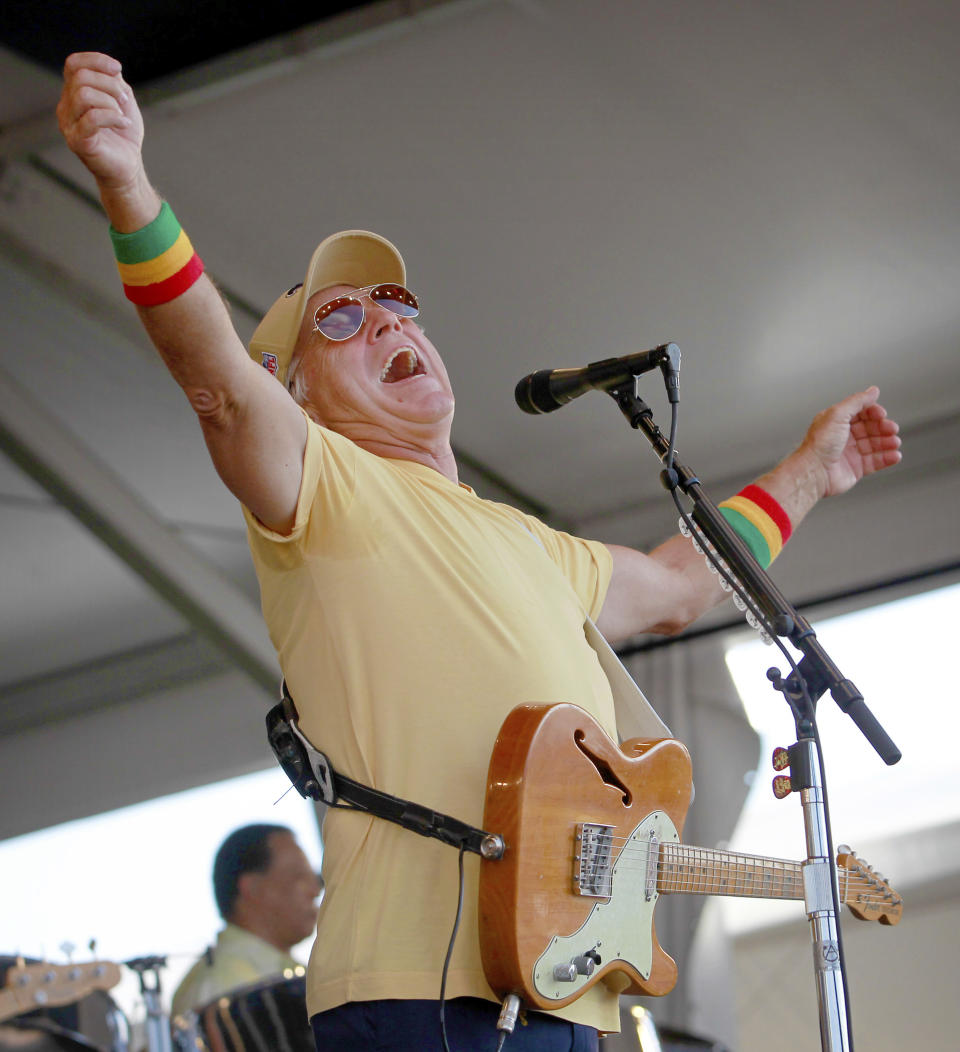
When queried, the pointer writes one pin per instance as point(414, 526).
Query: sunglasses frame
point(355, 297)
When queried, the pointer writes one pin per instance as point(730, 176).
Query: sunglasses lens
point(396, 298)
point(340, 318)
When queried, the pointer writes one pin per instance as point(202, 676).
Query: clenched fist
point(100, 120)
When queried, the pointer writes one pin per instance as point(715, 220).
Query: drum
point(33, 1035)
point(267, 1017)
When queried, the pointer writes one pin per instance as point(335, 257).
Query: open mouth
point(401, 365)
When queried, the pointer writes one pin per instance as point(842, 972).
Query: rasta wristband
point(157, 263)
point(760, 521)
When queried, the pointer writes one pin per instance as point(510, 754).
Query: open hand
point(100, 119)
point(851, 439)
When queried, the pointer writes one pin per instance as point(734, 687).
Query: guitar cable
point(726, 574)
point(446, 962)
point(511, 1003)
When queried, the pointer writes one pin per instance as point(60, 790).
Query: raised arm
point(253, 429)
point(667, 589)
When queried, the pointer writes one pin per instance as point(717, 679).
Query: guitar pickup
point(593, 860)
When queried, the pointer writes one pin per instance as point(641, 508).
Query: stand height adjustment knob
point(782, 786)
point(781, 758)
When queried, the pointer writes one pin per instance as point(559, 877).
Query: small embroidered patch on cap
point(269, 362)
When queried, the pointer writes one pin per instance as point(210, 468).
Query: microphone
point(549, 389)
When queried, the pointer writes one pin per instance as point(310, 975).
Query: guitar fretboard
point(702, 871)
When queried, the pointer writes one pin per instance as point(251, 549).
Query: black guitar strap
point(314, 777)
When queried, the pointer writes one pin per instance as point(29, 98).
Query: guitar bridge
point(592, 860)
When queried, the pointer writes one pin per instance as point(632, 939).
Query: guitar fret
point(695, 870)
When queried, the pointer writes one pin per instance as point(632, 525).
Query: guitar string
point(747, 881)
point(865, 896)
point(672, 860)
point(869, 899)
point(675, 853)
point(623, 841)
point(745, 873)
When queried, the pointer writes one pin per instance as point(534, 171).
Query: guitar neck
point(685, 870)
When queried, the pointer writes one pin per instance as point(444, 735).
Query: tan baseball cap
point(352, 257)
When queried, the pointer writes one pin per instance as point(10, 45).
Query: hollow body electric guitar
point(592, 835)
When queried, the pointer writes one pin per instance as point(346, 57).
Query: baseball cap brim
point(351, 257)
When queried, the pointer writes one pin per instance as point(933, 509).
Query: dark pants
point(414, 1026)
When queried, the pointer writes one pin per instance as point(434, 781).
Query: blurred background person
point(266, 892)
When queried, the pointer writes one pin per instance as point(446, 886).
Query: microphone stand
point(815, 674)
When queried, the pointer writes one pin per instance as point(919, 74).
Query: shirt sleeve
point(328, 458)
point(587, 565)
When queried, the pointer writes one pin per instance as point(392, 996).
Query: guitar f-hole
point(604, 769)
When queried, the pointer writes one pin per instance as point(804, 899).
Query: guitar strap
point(636, 717)
point(314, 777)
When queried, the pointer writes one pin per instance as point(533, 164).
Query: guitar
point(592, 835)
point(31, 986)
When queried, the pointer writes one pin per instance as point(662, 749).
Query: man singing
point(409, 615)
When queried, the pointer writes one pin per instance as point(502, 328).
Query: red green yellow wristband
point(157, 263)
point(760, 521)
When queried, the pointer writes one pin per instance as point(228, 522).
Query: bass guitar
point(592, 835)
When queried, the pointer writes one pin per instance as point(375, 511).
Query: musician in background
point(410, 616)
point(266, 892)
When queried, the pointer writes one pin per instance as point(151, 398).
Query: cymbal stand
point(158, 1023)
point(770, 612)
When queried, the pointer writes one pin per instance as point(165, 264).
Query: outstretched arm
point(667, 589)
point(253, 429)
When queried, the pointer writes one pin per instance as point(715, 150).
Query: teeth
point(404, 368)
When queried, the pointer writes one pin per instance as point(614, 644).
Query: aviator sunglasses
point(341, 318)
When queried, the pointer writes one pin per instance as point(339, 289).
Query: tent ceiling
point(771, 186)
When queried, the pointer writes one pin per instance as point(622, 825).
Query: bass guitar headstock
point(32, 986)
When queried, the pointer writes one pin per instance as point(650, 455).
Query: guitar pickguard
point(619, 928)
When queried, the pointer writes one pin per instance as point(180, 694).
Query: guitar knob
point(584, 964)
point(782, 786)
point(781, 758)
point(565, 972)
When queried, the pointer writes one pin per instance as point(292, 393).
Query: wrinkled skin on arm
point(669, 588)
point(253, 429)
